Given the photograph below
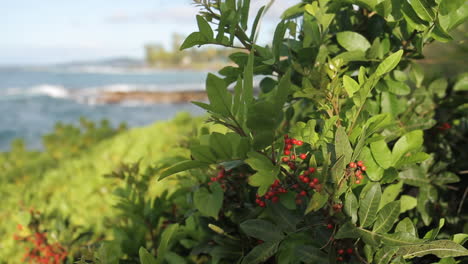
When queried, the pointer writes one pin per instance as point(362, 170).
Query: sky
point(56, 31)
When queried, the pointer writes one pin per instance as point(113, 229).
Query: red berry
point(312, 185)
point(285, 159)
point(305, 180)
point(288, 146)
point(298, 201)
point(275, 199)
point(340, 251)
point(286, 136)
point(352, 165)
point(282, 190)
point(360, 163)
point(339, 258)
point(329, 226)
point(357, 181)
point(287, 152)
point(349, 251)
point(299, 142)
point(303, 156)
point(213, 179)
point(360, 177)
point(294, 141)
point(288, 141)
point(262, 204)
point(315, 180)
point(293, 157)
point(276, 183)
point(311, 170)
point(358, 173)
point(303, 193)
point(258, 201)
point(306, 172)
point(363, 168)
point(295, 186)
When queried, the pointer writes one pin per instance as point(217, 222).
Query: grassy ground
point(72, 192)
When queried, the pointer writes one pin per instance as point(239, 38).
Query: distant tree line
point(157, 55)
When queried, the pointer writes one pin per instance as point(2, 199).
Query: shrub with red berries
point(39, 249)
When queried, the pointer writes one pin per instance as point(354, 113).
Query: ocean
point(32, 100)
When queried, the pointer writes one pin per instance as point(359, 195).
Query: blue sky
point(54, 31)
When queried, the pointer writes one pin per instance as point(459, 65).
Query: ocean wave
point(90, 95)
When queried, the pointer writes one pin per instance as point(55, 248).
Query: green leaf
point(342, 145)
point(460, 238)
point(166, 238)
point(385, 255)
point(350, 85)
point(266, 174)
point(438, 87)
point(209, 203)
point(351, 206)
point(374, 171)
point(261, 253)
point(461, 84)
point(317, 201)
point(432, 234)
point(248, 80)
point(146, 257)
point(440, 248)
point(386, 217)
point(221, 144)
point(203, 153)
point(398, 88)
point(293, 11)
point(381, 153)
point(245, 14)
point(220, 98)
point(412, 18)
point(196, 38)
point(406, 226)
point(310, 254)
point(253, 31)
point(182, 166)
point(389, 63)
point(283, 217)
point(282, 91)
point(352, 41)
point(369, 204)
point(390, 193)
point(204, 28)
point(408, 203)
point(448, 6)
point(409, 142)
point(348, 230)
point(422, 9)
point(262, 230)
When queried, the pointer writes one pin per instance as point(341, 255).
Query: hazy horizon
point(57, 32)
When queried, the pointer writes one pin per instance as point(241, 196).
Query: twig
point(460, 206)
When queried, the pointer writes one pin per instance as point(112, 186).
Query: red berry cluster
point(359, 169)
point(342, 252)
point(220, 178)
point(41, 252)
point(272, 194)
point(289, 151)
point(337, 207)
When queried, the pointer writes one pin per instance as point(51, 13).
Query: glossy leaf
point(261, 253)
point(386, 217)
point(389, 63)
point(262, 230)
point(352, 41)
point(440, 248)
point(369, 205)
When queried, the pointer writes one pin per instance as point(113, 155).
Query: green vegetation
point(211, 58)
point(349, 153)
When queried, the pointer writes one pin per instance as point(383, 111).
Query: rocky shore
point(152, 97)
